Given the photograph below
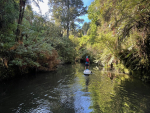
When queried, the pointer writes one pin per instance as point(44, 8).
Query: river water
point(67, 90)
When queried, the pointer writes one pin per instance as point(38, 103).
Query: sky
point(44, 8)
point(86, 3)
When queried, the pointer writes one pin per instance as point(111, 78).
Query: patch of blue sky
point(87, 2)
point(85, 17)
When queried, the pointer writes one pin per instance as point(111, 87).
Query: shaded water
point(69, 91)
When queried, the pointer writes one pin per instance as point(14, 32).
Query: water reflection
point(69, 91)
point(82, 99)
point(124, 94)
point(111, 75)
point(86, 82)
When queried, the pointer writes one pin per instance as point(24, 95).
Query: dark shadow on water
point(86, 83)
point(43, 92)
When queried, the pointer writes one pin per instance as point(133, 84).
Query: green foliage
point(33, 51)
point(65, 48)
point(120, 30)
point(85, 27)
point(83, 48)
point(117, 35)
point(8, 14)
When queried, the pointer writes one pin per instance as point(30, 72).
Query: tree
point(8, 14)
point(85, 27)
point(65, 12)
point(29, 14)
point(22, 4)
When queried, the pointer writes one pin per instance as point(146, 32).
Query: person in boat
point(87, 63)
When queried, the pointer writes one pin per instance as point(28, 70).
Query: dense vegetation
point(117, 36)
point(120, 29)
point(30, 41)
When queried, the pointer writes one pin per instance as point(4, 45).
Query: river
point(67, 90)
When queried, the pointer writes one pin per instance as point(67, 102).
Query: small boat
point(87, 72)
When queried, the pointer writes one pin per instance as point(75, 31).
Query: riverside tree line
point(117, 36)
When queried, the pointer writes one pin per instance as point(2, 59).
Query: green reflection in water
point(113, 93)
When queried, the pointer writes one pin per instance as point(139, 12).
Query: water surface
point(69, 91)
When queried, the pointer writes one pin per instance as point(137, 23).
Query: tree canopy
point(66, 12)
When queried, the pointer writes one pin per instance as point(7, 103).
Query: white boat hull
point(87, 72)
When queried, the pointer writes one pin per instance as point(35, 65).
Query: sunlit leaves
point(118, 28)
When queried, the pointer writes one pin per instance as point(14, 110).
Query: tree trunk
point(21, 13)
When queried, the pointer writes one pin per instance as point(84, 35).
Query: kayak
point(87, 72)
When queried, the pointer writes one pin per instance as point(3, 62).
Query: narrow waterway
point(67, 90)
